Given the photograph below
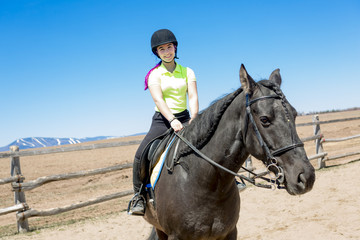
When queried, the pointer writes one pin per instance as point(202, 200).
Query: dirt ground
point(330, 211)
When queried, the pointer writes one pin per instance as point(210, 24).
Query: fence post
point(248, 165)
point(318, 144)
point(19, 196)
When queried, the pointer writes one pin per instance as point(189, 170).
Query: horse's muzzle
point(300, 182)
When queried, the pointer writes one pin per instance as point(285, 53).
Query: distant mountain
point(138, 134)
point(38, 142)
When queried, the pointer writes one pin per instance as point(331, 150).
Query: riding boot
point(137, 203)
point(136, 175)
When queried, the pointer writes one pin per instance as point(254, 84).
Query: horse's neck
point(226, 146)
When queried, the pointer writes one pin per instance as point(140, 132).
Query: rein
point(212, 162)
point(270, 156)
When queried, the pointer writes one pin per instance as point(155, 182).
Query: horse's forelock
point(276, 88)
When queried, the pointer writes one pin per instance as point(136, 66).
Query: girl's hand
point(176, 125)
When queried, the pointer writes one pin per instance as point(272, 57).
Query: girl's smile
point(166, 52)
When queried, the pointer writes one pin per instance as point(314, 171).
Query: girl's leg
point(157, 128)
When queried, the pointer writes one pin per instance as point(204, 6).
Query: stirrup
point(133, 202)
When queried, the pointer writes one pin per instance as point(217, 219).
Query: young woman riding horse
point(169, 84)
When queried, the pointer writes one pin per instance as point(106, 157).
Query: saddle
point(152, 153)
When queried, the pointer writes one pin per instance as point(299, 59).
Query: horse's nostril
point(302, 178)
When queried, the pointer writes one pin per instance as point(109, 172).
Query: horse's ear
point(247, 83)
point(275, 77)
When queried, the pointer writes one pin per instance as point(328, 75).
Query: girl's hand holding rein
point(176, 125)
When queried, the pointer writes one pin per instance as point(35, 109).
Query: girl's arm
point(157, 96)
point(193, 99)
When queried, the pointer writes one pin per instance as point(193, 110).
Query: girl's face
point(166, 52)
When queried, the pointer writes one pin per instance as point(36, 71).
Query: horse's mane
point(204, 125)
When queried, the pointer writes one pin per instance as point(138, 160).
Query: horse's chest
point(206, 225)
point(219, 226)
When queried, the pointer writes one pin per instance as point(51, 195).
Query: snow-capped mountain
point(38, 142)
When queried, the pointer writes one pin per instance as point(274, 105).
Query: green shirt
point(173, 85)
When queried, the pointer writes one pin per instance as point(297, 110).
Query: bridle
point(271, 161)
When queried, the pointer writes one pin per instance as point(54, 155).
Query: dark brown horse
point(200, 201)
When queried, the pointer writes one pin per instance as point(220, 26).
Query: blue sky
point(76, 68)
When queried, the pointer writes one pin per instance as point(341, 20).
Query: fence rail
point(339, 139)
point(16, 178)
point(319, 155)
point(54, 211)
point(19, 187)
point(15, 208)
point(328, 121)
point(43, 180)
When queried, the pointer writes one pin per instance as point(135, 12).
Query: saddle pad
point(155, 175)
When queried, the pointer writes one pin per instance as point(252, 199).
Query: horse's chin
point(291, 190)
point(297, 189)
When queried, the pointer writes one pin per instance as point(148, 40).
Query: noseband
point(271, 161)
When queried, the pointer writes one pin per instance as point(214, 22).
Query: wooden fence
point(319, 138)
point(19, 187)
point(23, 212)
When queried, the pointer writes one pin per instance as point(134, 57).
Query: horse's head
point(270, 133)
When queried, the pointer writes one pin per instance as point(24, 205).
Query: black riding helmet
point(161, 37)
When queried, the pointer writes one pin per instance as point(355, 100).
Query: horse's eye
point(265, 121)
